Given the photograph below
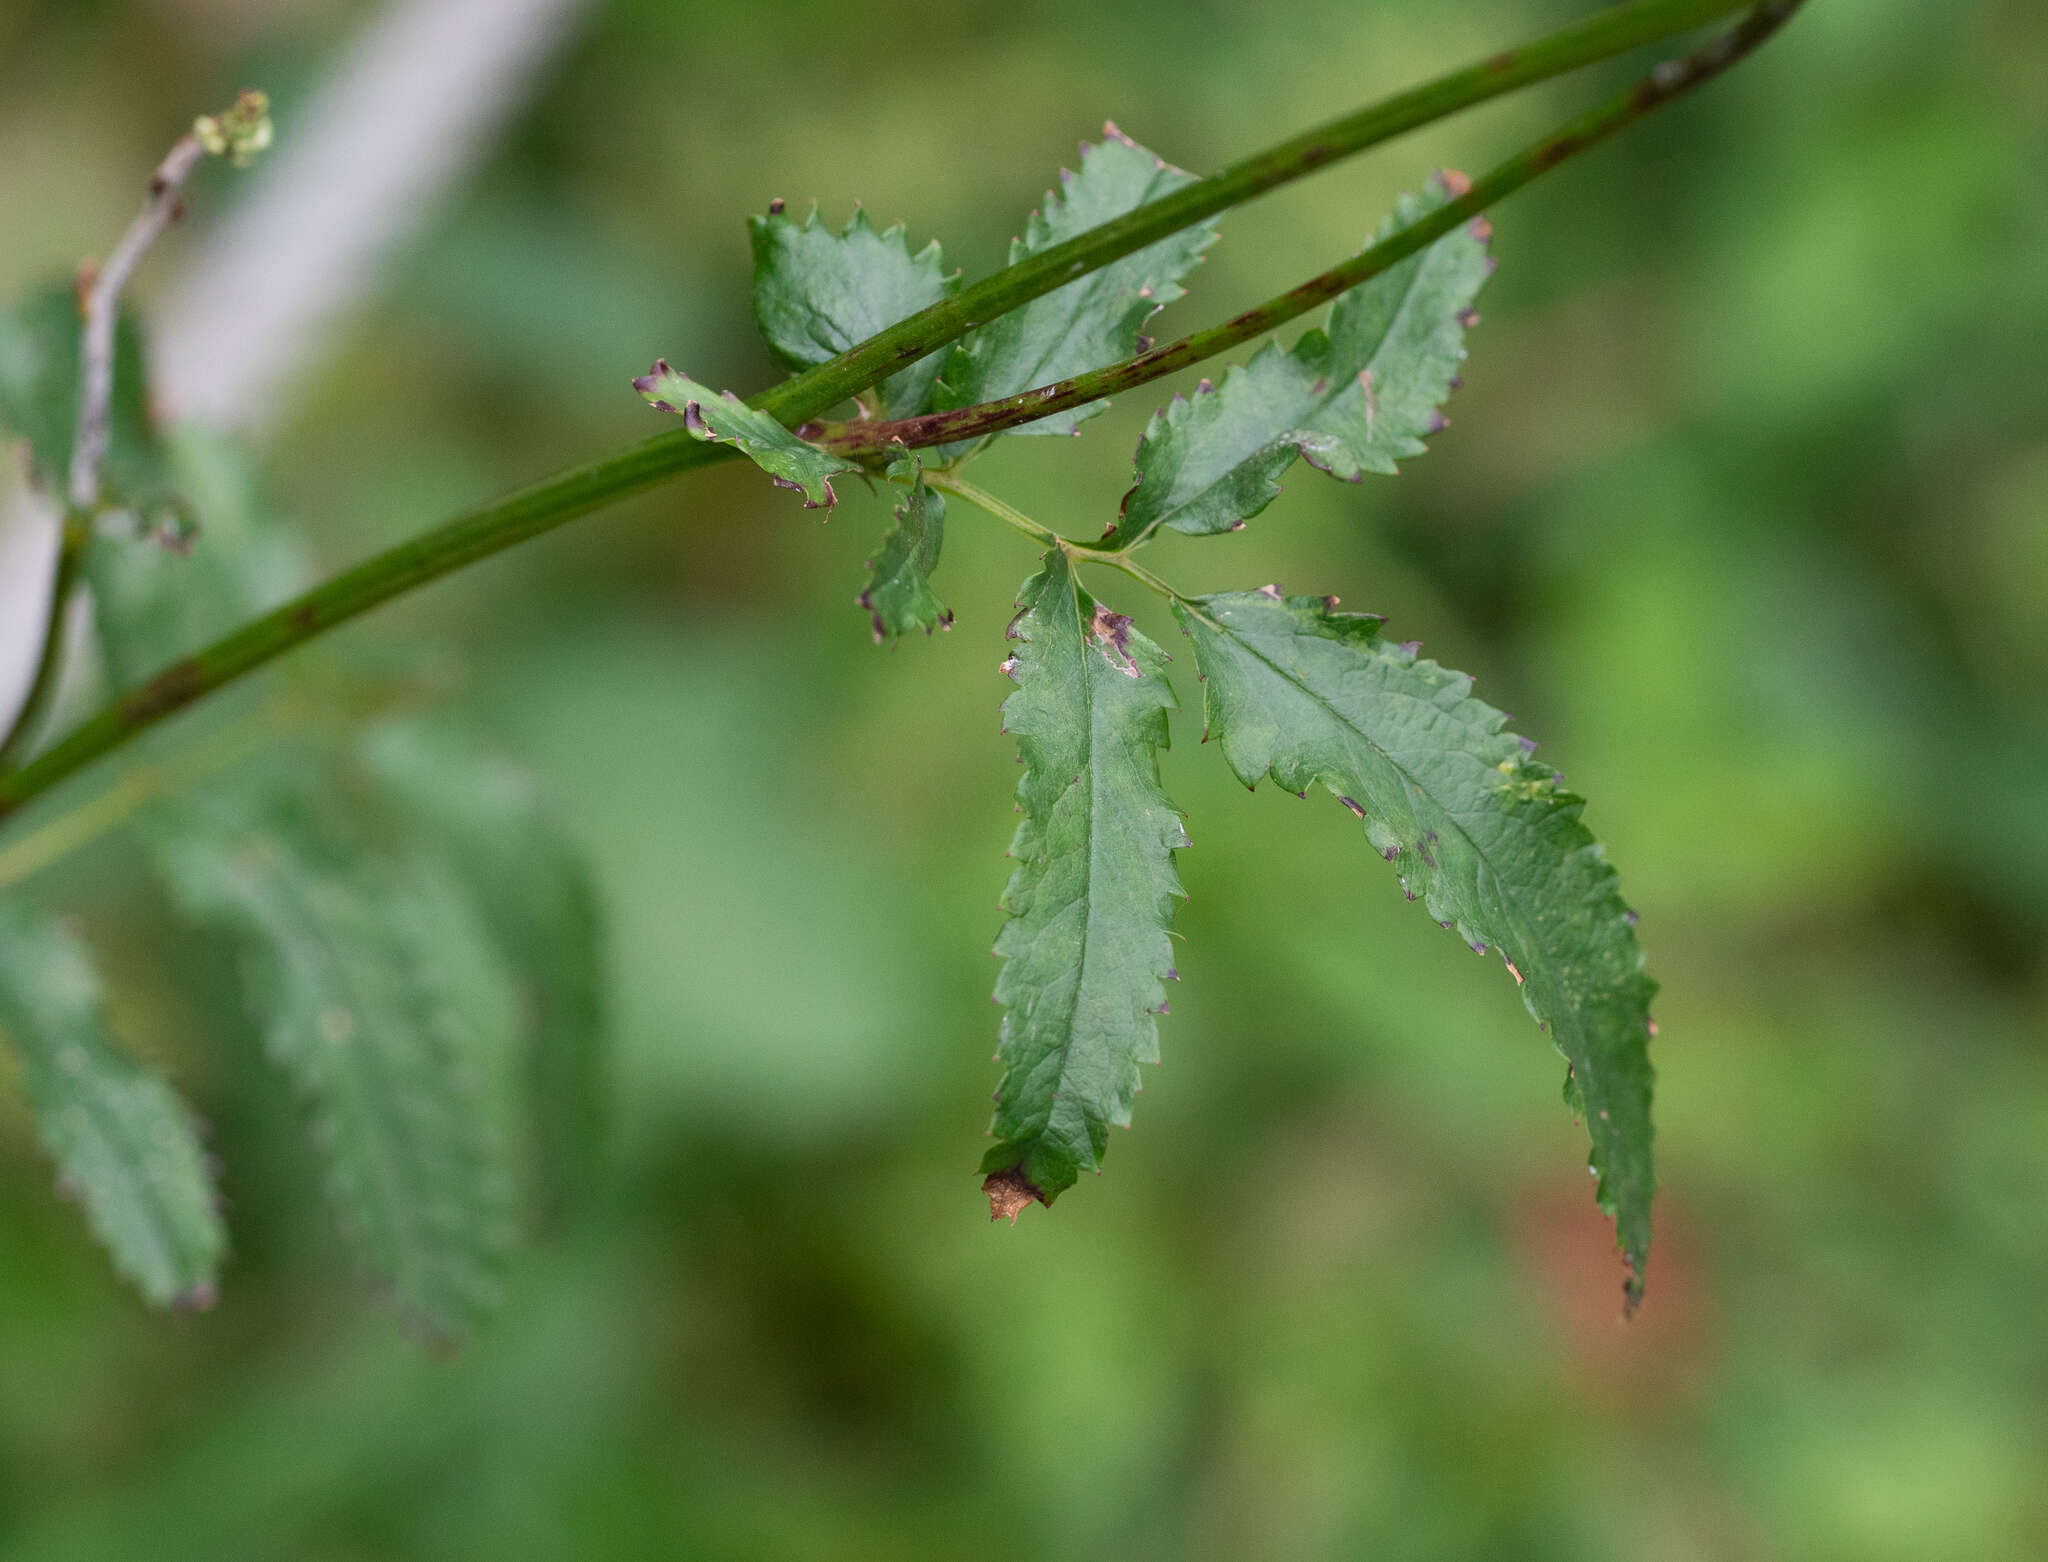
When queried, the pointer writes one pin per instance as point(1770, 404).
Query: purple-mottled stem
point(1669, 80)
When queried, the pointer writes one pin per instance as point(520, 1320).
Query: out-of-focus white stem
point(31, 530)
point(408, 112)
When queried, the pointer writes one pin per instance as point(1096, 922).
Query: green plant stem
point(1045, 537)
point(473, 535)
point(1599, 37)
point(982, 499)
point(1137, 572)
point(42, 689)
point(476, 534)
point(1670, 80)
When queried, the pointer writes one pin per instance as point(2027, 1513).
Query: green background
point(1744, 513)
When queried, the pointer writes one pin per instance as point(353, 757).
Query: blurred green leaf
point(818, 293)
point(1092, 322)
point(154, 602)
point(348, 977)
point(898, 595)
point(535, 894)
point(1349, 401)
point(762, 440)
point(1091, 899)
point(124, 1143)
point(1488, 839)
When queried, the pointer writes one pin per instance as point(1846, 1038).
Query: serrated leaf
point(721, 418)
point(1092, 322)
point(1353, 399)
point(39, 341)
point(1485, 836)
point(347, 974)
point(1090, 902)
point(818, 293)
point(124, 1144)
point(536, 895)
point(898, 595)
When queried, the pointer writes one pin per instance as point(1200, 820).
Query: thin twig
point(102, 308)
point(241, 133)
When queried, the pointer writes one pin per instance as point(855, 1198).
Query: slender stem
point(1045, 537)
point(473, 535)
point(42, 689)
point(1670, 80)
point(1137, 572)
point(102, 308)
point(1599, 37)
point(982, 499)
point(528, 512)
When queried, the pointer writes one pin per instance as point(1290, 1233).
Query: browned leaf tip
point(1008, 1192)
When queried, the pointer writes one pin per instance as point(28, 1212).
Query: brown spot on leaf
point(1008, 1192)
point(1112, 631)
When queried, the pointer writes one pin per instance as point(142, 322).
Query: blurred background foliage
point(1745, 513)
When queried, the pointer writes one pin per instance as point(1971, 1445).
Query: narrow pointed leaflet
point(721, 418)
point(1483, 834)
point(125, 1145)
point(898, 596)
point(1349, 400)
point(1091, 899)
point(1091, 322)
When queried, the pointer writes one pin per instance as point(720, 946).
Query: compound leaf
point(898, 595)
point(348, 961)
point(721, 418)
point(1091, 322)
point(124, 1143)
point(1090, 901)
point(818, 293)
point(1350, 400)
point(1488, 838)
